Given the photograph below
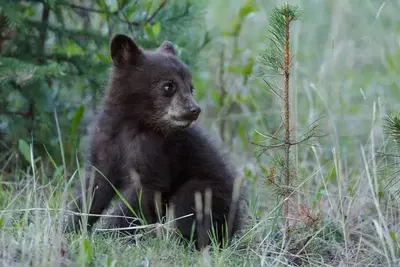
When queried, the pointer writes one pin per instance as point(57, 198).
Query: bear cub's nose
point(195, 110)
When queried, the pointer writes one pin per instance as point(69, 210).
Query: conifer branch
point(148, 19)
point(391, 127)
point(87, 9)
point(152, 16)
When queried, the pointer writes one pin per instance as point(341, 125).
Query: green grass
point(31, 234)
point(347, 210)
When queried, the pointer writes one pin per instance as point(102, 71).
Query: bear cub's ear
point(124, 50)
point(167, 47)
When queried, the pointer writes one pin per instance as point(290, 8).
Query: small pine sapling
point(276, 61)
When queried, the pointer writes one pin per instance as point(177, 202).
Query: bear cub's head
point(152, 87)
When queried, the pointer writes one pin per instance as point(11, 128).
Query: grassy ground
point(347, 210)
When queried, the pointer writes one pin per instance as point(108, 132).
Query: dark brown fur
point(145, 140)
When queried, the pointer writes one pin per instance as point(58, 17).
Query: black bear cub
point(145, 144)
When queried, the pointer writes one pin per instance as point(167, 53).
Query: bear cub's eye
point(169, 89)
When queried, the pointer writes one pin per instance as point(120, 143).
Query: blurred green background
point(55, 62)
